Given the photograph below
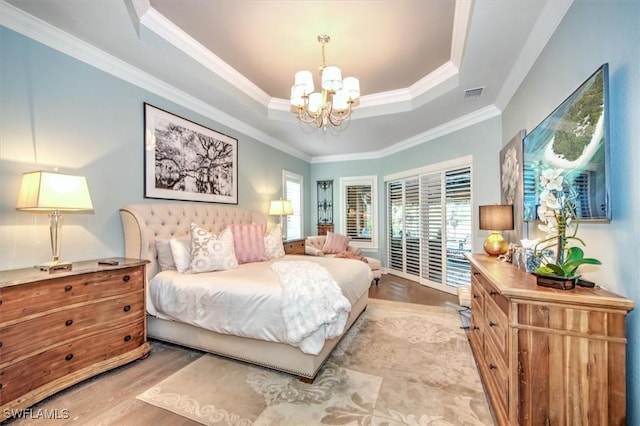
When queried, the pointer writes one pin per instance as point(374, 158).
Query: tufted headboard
point(144, 223)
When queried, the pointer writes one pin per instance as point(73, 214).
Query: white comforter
point(247, 301)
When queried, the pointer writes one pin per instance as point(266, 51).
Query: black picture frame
point(184, 160)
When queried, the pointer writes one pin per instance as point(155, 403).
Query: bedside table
point(294, 246)
point(58, 329)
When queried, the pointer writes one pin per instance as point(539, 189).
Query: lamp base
point(55, 266)
point(495, 244)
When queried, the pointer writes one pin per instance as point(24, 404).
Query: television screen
point(574, 140)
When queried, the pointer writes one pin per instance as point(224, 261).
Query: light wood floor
point(110, 398)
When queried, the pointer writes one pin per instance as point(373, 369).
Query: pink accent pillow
point(248, 241)
point(335, 243)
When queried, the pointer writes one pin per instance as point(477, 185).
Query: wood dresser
point(547, 356)
point(61, 328)
point(294, 246)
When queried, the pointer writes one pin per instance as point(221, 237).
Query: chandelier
point(330, 106)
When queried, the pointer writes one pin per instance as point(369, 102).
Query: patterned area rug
point(400, 364)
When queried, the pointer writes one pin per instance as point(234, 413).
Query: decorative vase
point(561, 283)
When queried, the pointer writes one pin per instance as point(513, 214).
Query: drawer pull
point(69, 357)
point(126, 278)
point(127, 337)
point(492, 367)
point(492, 292)
point(492, 324)
point(68, 288)
point(475, 296)
point(0, 344)
point(68, 322)
point(475, 274)
point(127, 308)
point(475, 327)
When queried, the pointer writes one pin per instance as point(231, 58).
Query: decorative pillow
point(335, 243)
point(181, 253)
point(211, 252)
point(248, 241)
point(165, 258)
point(273, 247)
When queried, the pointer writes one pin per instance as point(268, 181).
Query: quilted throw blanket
point(313, 306)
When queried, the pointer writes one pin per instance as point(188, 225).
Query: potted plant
point(557, 212)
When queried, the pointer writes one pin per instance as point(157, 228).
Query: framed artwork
point(574, 139)
point(186, 161)
point(511, 184)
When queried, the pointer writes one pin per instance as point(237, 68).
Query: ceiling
point(234, 61)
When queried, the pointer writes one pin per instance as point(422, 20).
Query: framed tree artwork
point(187, 161)
point(511, 184)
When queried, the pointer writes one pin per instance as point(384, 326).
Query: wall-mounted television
point(575, 139)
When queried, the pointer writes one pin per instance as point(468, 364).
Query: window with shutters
point(429, 224)
point(292, 189)
point(358, 208)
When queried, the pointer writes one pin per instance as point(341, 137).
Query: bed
point(250, 288)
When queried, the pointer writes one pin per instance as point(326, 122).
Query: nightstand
point(294, 246)
point(58, 329)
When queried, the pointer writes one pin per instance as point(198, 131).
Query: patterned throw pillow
point(335, 243)
point(248, 241)
point(273, 247)
point(211, 252)
point(181, 253)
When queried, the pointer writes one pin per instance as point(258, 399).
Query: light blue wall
point(59, 112)
point(592, 33)
point(480, 141)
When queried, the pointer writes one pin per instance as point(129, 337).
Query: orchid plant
point(557, 212)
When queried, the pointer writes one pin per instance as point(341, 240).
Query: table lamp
point(496, 218)
point(281, 208)
point(54, 193)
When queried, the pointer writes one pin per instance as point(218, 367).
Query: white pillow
point(211, 252)
point(273, 247)
point(181, 252)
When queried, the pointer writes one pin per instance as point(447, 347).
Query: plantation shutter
point(358, 201)
point(429, 226)
point(395, 213)
point(431, 216)
point(458, 225)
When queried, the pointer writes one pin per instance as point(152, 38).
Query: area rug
point(400, 364)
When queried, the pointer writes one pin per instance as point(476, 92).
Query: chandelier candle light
point(333, 104)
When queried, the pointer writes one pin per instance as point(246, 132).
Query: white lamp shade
point(315, 102)
point(296, 96)
point(351, 86)
point(304, 79)
point(46, 192)
point(340, 101)
point(280, 208)
point(331, 78)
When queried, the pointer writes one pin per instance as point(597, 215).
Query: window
point(292, 188)
point(358, 210)
point(429, 224)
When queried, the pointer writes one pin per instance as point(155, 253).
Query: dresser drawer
point(491, 292)
point(21, 301)
point(496, 326)
point(66, 359)
point(498, 376)
point(22, 340)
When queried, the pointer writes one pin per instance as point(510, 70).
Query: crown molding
point(459, 123)
point(157, 23)
point(547, 23)
point(42, 32)
point(461, 20)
